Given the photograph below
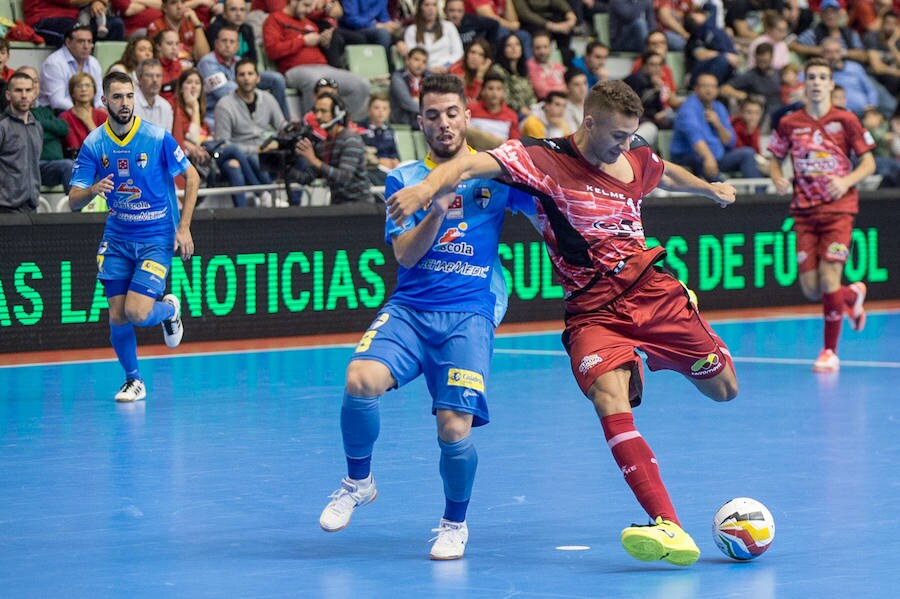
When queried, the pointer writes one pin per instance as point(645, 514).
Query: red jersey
point(504, 123)
point(819, 150)
point(590, 221)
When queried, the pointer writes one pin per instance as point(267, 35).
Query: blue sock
point(360, 425)
point(459, 460)
point(160, 312)
point(124, 343)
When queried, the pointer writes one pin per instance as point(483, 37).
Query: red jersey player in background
point(589, 187)
point(819, 139)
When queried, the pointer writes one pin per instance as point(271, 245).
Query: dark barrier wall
point(283, 272)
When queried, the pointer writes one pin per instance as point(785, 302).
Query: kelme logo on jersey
point(142, 160)
point(704, 365)
point(457, 377)
point(482, 197)
point(589, 362)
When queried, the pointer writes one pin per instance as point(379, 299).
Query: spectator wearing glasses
point(73, 57)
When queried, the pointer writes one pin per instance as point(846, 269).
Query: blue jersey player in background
point(132, 164)
point(439, 322)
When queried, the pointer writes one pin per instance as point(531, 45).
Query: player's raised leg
point(663, 539)
point(366, 381)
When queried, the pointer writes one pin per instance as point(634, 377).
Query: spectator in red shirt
point(746, 123)
point(82, 118)
point(546, 75)
point(178, 17)
point(5, 71)
point(137, 15)
point(473, 67)
point(165, 47)
point(295, 43)
point(51, 19)
point(490, 114)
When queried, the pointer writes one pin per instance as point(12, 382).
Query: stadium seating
point(369, 61)
point(108, 52)
point(406, 146)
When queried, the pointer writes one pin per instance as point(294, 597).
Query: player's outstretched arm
point(440, 181)
point(678, 178)
point(184, 242)
point(79, 197)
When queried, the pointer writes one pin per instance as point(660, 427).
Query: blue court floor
point(213, 486)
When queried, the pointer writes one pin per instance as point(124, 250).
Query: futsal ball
point(743, 528)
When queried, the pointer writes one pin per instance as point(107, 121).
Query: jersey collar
point(430, 164)
point(123, 142)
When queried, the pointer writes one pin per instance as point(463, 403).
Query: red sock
point(848, 295)
point(638, 464)
point(833, 311)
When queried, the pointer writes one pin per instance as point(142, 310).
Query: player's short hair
point(817, 61)
point(442, 83)
point(613, 96)
point(112, 77)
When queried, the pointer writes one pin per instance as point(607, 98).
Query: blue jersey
point(461, 271)
point(142, 203)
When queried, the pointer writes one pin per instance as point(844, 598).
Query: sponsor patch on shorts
point(703, 366)
point(457, 377)
point(589, 362)
point(154, 268)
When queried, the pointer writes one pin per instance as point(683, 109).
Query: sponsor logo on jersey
point(588, 362)
point(482, 197)
point(128, 191)
point(867, 137)
point(606, 193)
point(452, 234)
point(834, 127)
point(142, 160)
point(622, 228)
point(154, 268)
point(457, 377)
point(817, 163)
point(380, 321)
point(179, 154)
point(455, 210)
point(122, 166)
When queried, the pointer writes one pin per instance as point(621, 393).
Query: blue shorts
point(133, 266)
point(451, 349)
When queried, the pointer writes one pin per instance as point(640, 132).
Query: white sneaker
point(451, 539)
point(266, 200)
point(132, 390)
point(173, 330)
point(857, 312)
point(827, 362)
point(351, 495)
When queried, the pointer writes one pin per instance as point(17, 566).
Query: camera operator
point(340, 158)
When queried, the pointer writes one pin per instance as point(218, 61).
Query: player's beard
point(116, 116)
point(446, 152)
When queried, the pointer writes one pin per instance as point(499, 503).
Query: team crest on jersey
point(482, 197)
point(104, 161)
point(455, 210)
point(142, 160)
point(834, 127)
point(122, 166)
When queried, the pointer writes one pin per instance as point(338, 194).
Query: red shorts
point(654, 316)
point(822, 237)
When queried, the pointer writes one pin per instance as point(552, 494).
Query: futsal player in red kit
point(820, 139)
point(589, 188)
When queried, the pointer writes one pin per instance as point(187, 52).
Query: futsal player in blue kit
point(132, 164)
point(439, 322)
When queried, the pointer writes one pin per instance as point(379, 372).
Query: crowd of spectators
point(219, 73)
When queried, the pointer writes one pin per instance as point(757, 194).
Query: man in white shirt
point(58, 68)
point(148, 104)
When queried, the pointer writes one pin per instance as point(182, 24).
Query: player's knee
point(136, 314)
point(725, 390)
point(366, 378)
point(453, 426)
